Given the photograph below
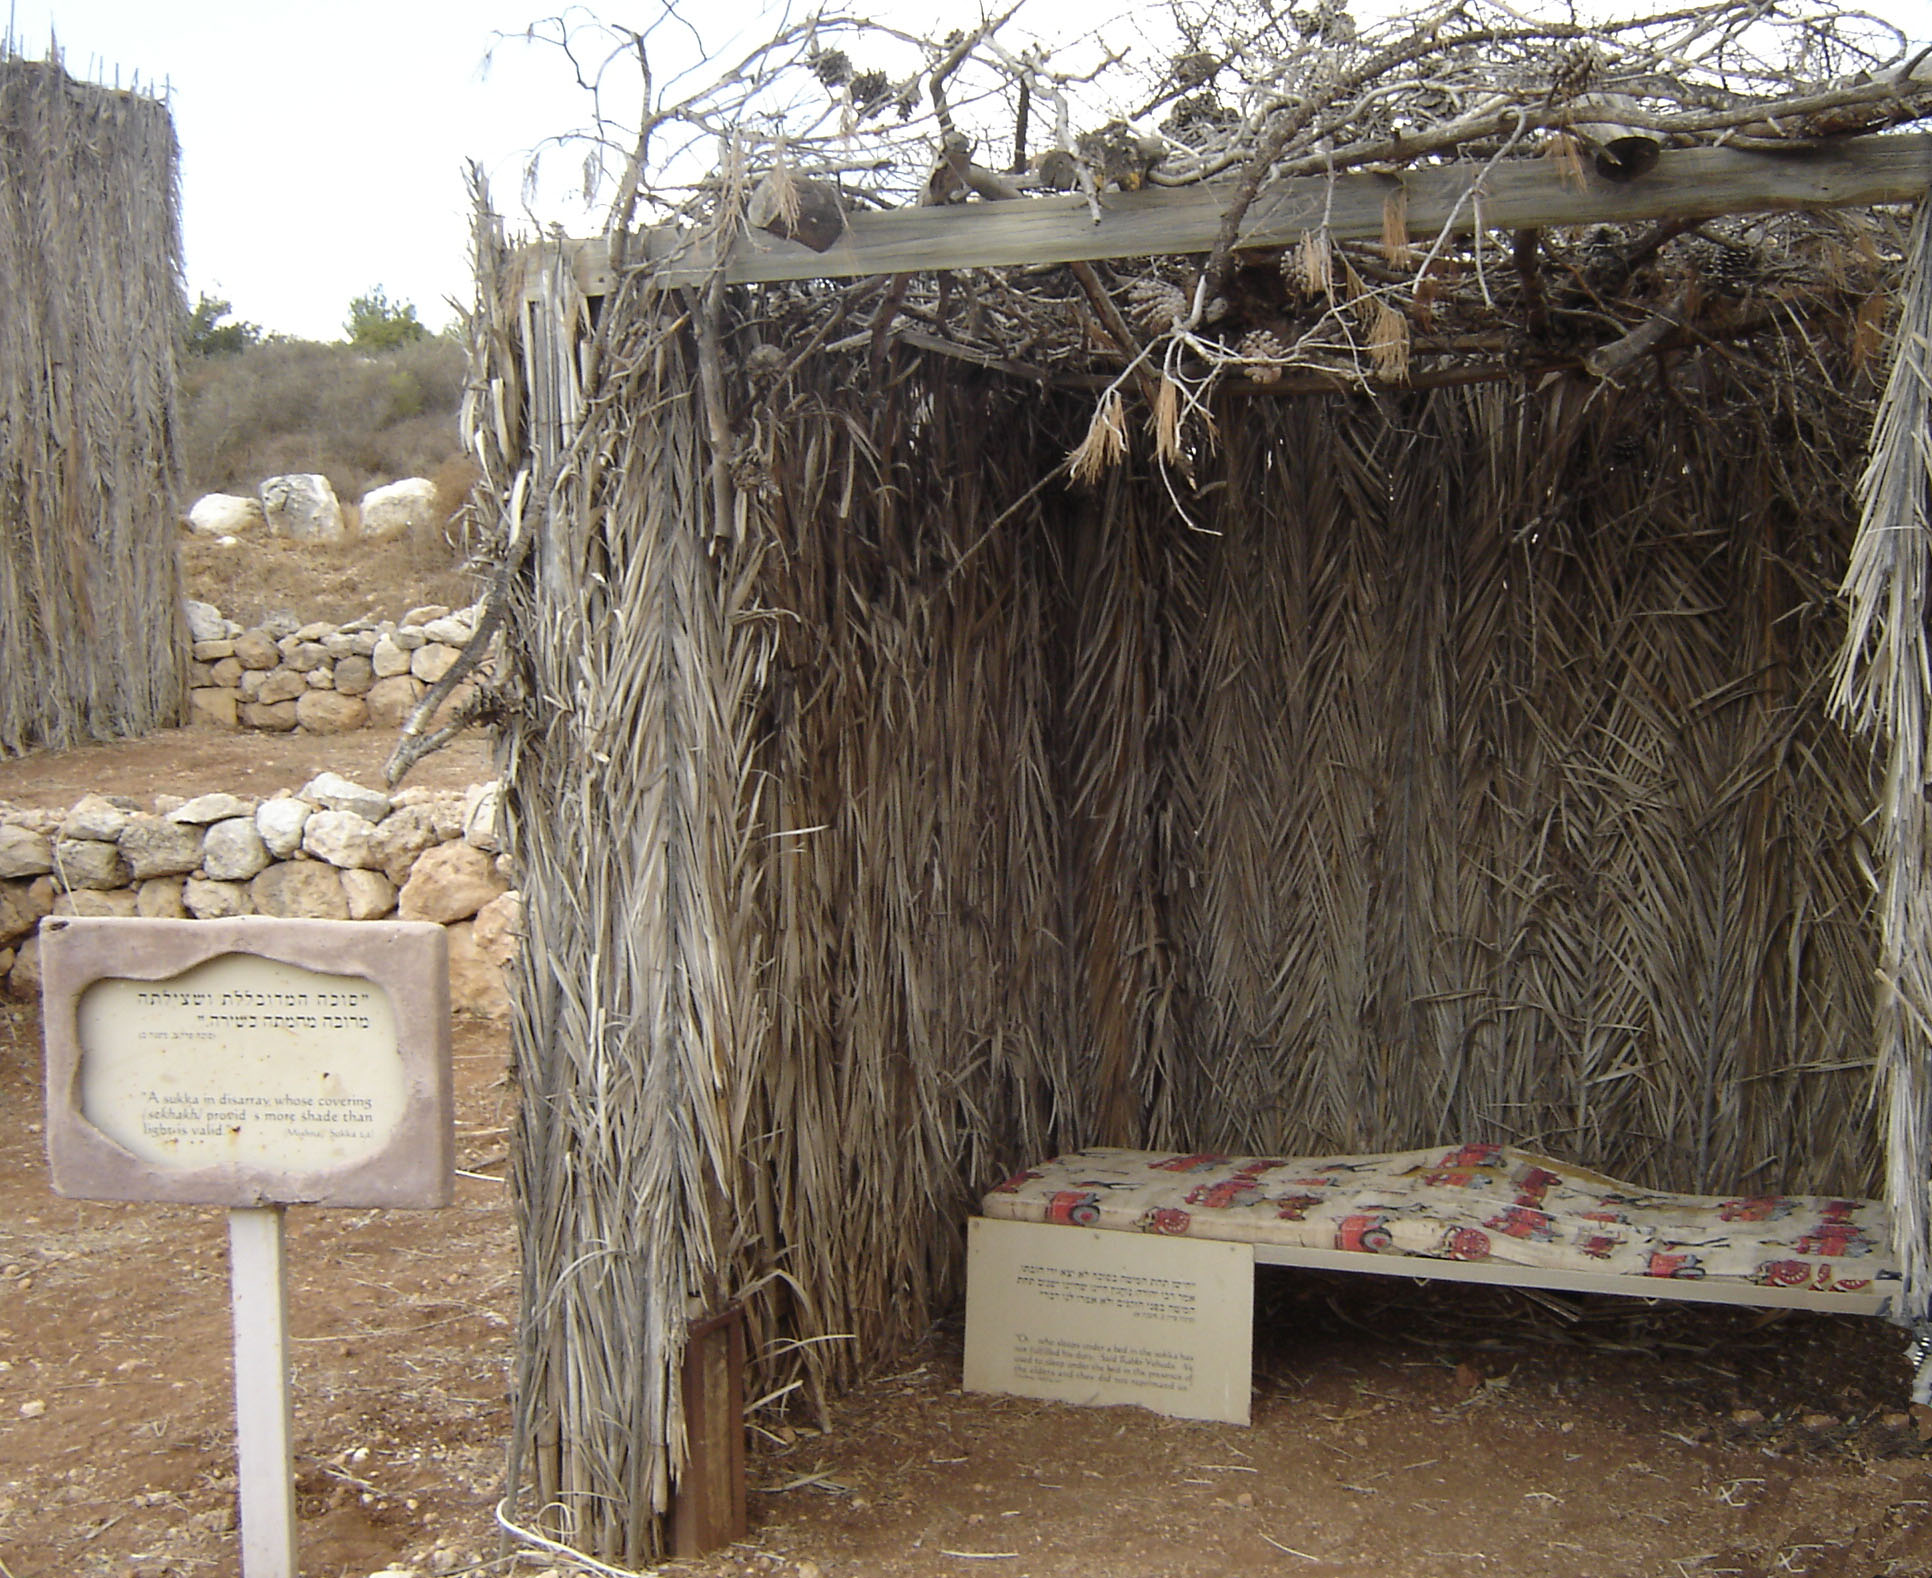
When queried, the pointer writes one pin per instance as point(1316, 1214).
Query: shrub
point(293, 405)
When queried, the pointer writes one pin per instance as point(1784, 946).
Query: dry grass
point(288, 406)
point(334, 581)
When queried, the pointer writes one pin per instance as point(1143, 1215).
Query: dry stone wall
point(319, 677)
point(333, 849)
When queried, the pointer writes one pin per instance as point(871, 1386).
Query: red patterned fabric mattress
point(1477, 1204)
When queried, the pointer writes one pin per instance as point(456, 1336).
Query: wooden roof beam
point(1530, 193)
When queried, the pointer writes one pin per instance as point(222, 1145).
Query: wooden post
point(709, 1508)
point(258, 1275)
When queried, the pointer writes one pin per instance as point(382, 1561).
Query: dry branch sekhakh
point(93, 644)
point(949, 720)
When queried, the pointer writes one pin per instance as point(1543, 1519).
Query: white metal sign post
point(254, 1064)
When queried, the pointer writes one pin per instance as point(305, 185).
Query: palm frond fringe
point(1881, 687)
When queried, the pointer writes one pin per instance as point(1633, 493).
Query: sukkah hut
point(92, 641)
point(1337, 612)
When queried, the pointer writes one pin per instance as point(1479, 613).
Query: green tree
point(207, 335)
point(378, 324)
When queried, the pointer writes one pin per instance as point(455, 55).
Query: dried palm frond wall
point(888, 821)
point(92, 644)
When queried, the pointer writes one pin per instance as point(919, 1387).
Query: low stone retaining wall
point(333, 849)
point(320, 677)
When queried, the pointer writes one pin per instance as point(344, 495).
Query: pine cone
point(1263, 349)
point(1156, 305)
point(1574, 73)
point(1724, 266)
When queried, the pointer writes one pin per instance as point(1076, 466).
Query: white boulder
point(205, 622)
point(399, 508)
point(280, 822)
point(302, 505)
point(333, 792)
point(224, 514)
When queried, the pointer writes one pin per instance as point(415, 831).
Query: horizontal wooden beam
point(1517, 194)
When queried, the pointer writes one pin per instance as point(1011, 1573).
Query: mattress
point(1479, 1206)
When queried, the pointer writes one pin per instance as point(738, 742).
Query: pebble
point(33, 1409)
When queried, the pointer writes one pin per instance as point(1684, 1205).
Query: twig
point(1290, 1549)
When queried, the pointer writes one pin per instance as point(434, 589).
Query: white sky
point(323, 145)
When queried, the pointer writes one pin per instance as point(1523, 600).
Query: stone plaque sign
point(1078, 1315)
point(249, 1061)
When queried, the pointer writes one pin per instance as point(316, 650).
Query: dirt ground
point(1399, 1431)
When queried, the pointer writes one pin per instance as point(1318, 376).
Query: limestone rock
point(300, 888)
point(98, 816)
point(399, 838)
point(272, 717)
point(224, 515)
point(121, 903)
point(280, 823)
point(89, 863)
point(235, 850)
point(154, 846)
point(215, 708)
point(449, 883)
point(499, 928)
point(476, 986)
point(207, 809)
point(423, 615)
point(453, 703)
point(430, 663)
point(480, 804)
point(21, 906)
point(326, 712)
point(333, 792)
point(204, 621)
point(354, 675)
point(388, 659)
point(24, 852)
point(23, 980)
point(453, 630)
point(304, 506)
point(213, 651)
point(399, 508)
point(226, 672)
point(392, 700)
point(370, 894)
point(210, 900)
point(160, 899)
point(341, 838)
point(284, 684)
point(446, 806)
point(257, 649)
